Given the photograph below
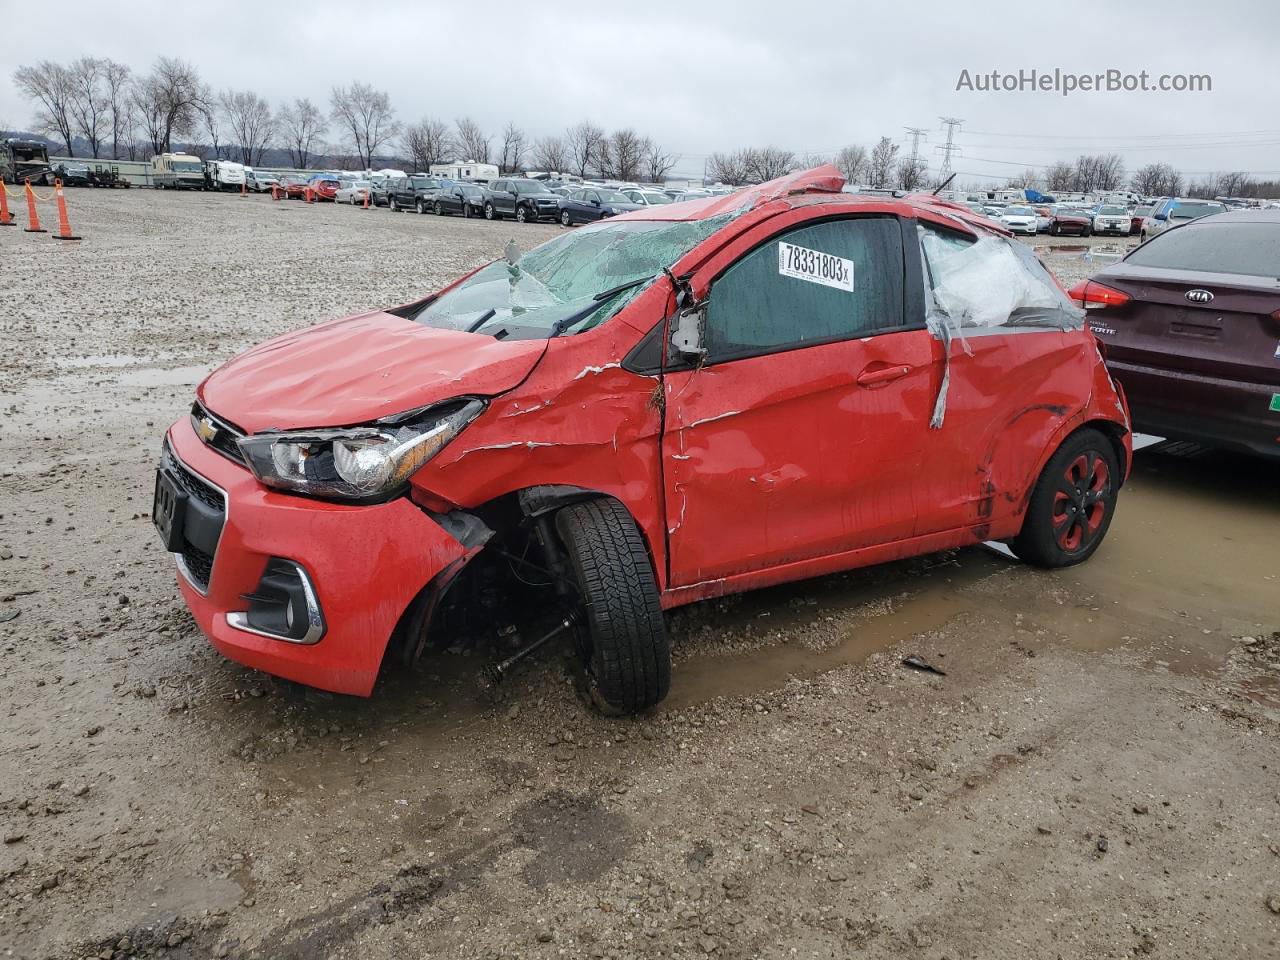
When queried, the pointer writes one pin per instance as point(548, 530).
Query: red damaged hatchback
point(674, 404)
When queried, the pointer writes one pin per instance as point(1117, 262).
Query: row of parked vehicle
point(1064, 219)
point(524, 199)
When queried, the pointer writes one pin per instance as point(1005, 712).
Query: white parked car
point(1115, 220)
point(648, 198)
point(353, 191)
point(1020, 220)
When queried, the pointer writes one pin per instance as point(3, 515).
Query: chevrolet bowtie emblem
point(206, 429)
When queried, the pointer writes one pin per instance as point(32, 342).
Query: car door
point(800, 434)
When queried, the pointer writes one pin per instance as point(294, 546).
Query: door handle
point(869, 378)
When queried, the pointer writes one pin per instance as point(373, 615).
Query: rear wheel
point(1086, 232)
point(392, 205)
point(628, 664)
point(1071, 507)
point(437, 209)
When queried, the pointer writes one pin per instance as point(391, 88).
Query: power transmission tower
point(952, 124)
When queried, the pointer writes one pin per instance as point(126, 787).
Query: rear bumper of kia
point(1189, 406)
point(362, 567)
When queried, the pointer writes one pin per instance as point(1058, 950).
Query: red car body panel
point(738, 474)
point(325, 189)
point(360, 369)
point(343, 548)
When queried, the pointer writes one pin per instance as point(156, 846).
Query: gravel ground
point(1094, 776)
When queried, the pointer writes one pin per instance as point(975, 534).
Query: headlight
point(359, 463)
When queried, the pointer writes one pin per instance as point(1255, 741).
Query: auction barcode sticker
point(815, 266)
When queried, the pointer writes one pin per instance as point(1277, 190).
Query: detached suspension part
point(495, 672)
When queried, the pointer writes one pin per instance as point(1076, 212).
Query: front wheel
point(419, 207)
point(392, 205)
point(1087, 232)
point(565, 219)
point(1071, 507)
point(522, 215)
point(628, 663)
point(437, 209)
point(489, 212)
point(466, 211)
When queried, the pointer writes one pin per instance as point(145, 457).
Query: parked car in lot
point(260, 182)
point(594, 203)
point(1043, 217)
point(466, 199)
point(1172, 211)
point(1112, 220)
point(295, 188)
point(324, 188)
point(1019, 220)
point(547, 443)
point(1191, 323)
point(525, 200)
point(353, 191)
point(380, 192)
point(413, 193)
point(1070, 221)
point(73, 174)
point(647, 198)
point(1137, 217)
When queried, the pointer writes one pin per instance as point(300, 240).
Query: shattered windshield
point(570, 284)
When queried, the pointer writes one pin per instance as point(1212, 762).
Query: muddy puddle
point(1182, 540)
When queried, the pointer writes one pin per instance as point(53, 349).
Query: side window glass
point(829, 281)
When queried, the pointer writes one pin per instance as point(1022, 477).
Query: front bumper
point(364, 563)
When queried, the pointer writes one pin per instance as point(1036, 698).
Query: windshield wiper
point(484, 318)
point(565, 323)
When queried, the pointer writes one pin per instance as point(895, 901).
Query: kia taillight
point(1093, 295)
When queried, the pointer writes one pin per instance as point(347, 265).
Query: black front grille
point(194, 484)
point(224, 436)
point(199, 565)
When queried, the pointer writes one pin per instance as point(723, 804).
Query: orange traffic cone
point(64, 226)
point(33, 218)
point(274, 188)
point(311, 196)
point(244, 189)
point(6, 218)
point(366, 200)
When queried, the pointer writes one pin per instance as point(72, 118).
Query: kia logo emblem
point(1198, 296)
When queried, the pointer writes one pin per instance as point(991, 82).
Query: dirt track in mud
point(1094, 776)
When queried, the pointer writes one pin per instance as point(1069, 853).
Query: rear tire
point(628, 663)
point(1086, 232)
point(392, 205)
point(1072, 505)
point(437, 209)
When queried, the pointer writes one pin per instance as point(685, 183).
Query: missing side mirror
point(687, 333)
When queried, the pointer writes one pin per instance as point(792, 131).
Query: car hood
point(363, 368)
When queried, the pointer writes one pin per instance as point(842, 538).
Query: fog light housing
point(283, 606)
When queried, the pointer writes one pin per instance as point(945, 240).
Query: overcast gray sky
point(718, 74)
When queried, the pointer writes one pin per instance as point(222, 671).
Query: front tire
point(437, 209)
point(628, 663)
point(1072, 505)
point(522, 215)
point(418, 206)
point(490, 213)
point(392, 205)
point(565, 219)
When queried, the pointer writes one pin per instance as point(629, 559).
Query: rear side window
point(830, 281)
point(1252, 249)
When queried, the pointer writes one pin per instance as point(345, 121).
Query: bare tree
point(582, 143)
point(880, 166)
point(620, 156)
point(115, 81)
point(366, 114)
point(550, 154)
point(427, 142)
point(471, 140)
point(657, 162)
point(1234, 184)
point(302, 125)
point(50, 85)
point(1059, 176)
point(513, 149)
point(911, 173)
point(1098, 172)
point(168, 101)
point(768, 163)
point(211, 119)
point(1156, 180)
point(852, 162)
point(808, 161)
point(89, 107)
point(730, 168)
point(252, 125)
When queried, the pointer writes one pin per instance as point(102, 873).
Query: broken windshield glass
point(570, 284)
